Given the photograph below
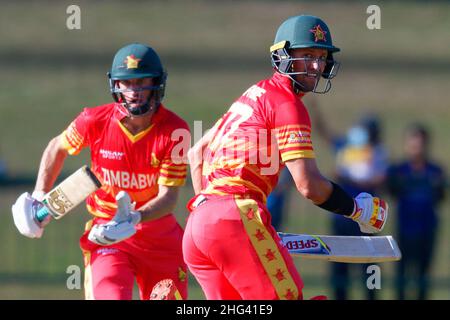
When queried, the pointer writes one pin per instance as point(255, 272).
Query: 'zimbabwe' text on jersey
point(137, 164)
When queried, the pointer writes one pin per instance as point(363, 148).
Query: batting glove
point(121, 227)
point(24, 212)
point(370, 213)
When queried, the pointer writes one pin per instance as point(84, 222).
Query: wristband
point(339, 202)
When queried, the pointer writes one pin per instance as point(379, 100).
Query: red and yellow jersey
point(267, 126)
point(137, 164)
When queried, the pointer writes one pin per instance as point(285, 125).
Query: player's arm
point(369, 212)
point(51, 164)
point(163, 204)
point(71, 141)
point(309, 181)
point(26, 206)
point(123, 225)
point(195, 157)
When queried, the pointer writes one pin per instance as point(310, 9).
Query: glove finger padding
point(96, 236)
point(371, 213)
point(122, 225)
point(124, 207)
point(380, 214)
point(111, 232)
point(23, 211)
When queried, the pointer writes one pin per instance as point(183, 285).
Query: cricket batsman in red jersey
point(133, 143)
point(229, 244)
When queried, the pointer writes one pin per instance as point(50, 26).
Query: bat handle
point(42, 213)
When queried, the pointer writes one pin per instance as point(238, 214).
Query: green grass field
point(213, 51)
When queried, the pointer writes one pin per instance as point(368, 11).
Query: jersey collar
point(286, 82)
point(119, 114)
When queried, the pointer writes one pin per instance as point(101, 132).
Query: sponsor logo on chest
point(111, 155)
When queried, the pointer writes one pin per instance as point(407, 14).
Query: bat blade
point(71, 192)
point(348, 249)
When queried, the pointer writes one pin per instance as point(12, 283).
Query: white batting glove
point(24, 214)
point(38, 195)
point(370, 213)
point(121, 227)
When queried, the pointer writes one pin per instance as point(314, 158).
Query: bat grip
point(42, 213)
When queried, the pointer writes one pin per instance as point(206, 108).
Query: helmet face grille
point(283, 63)
point(137, 61)
point(303, 32)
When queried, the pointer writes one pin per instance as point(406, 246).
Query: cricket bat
point(68, 194)
point(348, 249)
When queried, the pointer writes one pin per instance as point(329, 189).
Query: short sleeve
point(75, 137)
point(173, 167)
point(293, 131)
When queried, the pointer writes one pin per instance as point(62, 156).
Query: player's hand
point(370, 213)
point(24, 214)
point(121, 227)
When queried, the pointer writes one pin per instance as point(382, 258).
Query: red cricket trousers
point(152, 254)
point(234, 253)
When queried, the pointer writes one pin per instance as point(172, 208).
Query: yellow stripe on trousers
point(88, 285)
point(267, 250)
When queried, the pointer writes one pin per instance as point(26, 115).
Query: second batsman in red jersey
point(138, 164)
point(136, 147)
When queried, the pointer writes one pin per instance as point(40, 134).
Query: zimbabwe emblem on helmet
point(319, 33)
point(132, 62)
